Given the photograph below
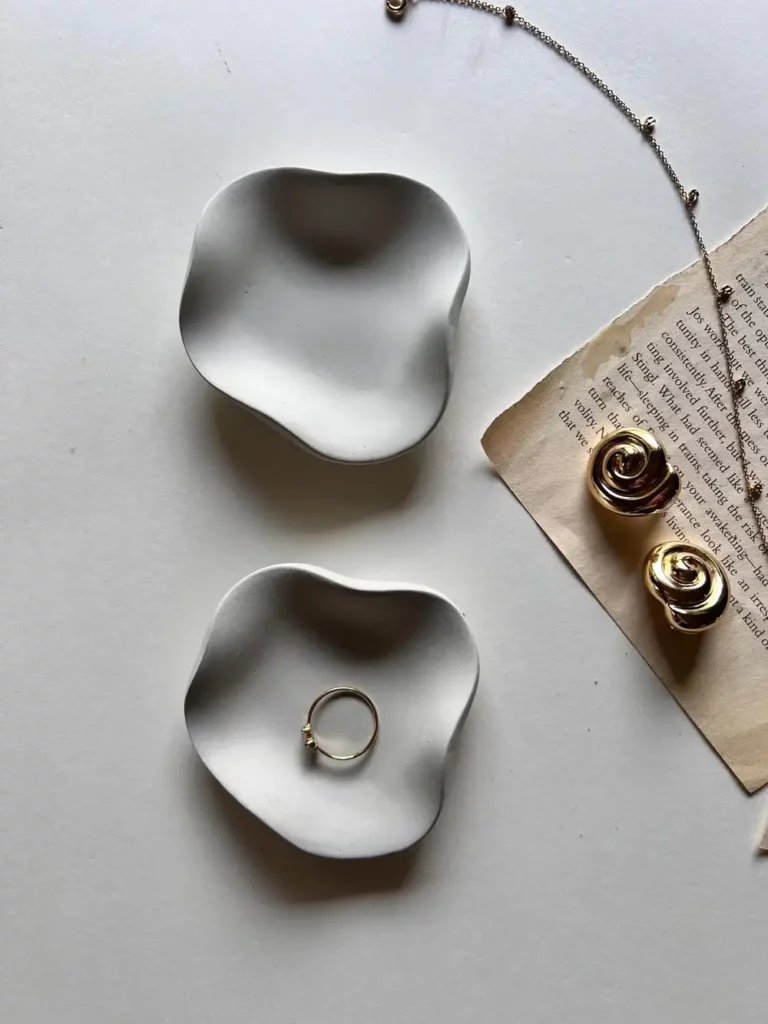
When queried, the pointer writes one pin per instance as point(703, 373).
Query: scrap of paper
point(659, 366)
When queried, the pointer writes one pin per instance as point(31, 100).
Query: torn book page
point(659, 366)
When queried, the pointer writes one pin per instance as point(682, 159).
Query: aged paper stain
point(616, 338)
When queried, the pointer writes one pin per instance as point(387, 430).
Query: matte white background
point(595, 861)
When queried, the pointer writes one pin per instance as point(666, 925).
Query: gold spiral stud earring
point(629, 473)
point(690, 583)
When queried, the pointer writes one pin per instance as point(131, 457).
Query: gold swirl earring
point(690, 583)
point(629, 473)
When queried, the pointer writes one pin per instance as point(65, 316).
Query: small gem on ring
point(314, 747)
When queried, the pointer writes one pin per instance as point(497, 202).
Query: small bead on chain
point(649, 126)
point(396, 9)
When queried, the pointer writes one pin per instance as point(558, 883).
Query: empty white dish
point(328, 305)
point(280, 638)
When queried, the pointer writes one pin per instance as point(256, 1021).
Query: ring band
point(310, 742)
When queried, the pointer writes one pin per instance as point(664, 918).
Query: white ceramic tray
point(285, 634)
point(328, 305)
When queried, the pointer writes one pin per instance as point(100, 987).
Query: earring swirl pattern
point(629, 473)
point(690, 583)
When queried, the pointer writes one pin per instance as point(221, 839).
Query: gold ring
point(310, 741)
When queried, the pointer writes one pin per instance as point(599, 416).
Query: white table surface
point(595, 860)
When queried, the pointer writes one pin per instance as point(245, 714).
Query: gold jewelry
point(629, 473)
point(753, 488)
point(336, 692)
point(690, 583)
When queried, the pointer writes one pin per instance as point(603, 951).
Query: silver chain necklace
point(753, 488)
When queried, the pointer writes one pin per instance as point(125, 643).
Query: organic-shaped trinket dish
point(328, 304)
point(283, 636)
